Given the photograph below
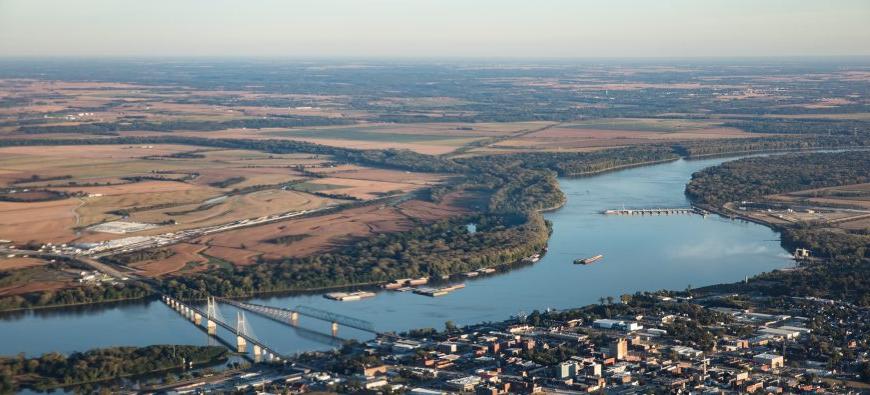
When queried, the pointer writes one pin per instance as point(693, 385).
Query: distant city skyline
point(433, 28)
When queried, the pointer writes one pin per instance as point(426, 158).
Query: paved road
point(92, 263)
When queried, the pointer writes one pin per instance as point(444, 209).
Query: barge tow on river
point(433, 292)
point(587, 261)
point(348, 296)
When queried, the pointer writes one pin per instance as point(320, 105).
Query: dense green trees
point(54, 370)
point(752, 178)
point(73, 296)
point(846, 127)
point(138, 256)
point(740, 146)
point(575, 163)
point(834, 244)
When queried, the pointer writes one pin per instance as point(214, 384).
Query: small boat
point(586, 261)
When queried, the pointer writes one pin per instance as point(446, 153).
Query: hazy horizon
point(427, 29)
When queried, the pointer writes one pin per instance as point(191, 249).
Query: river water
point(641, 254)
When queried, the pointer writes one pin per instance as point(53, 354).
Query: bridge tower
point(241, 344)
point(211, 314)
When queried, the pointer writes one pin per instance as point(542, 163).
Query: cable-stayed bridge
point(210, 319)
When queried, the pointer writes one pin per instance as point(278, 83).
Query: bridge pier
point(334, 329)
point(294, 318)
point(272, 357)
point(241, 344)
point(211, 327)
point(197, 318)
point(258, 353)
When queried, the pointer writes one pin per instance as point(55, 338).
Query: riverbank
point(769, 151)
point(620, 167)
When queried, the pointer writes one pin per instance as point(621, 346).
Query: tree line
point(54, 370)
point(695, 149)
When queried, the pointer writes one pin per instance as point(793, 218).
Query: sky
point(434, 28)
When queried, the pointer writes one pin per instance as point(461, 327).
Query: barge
point(587, 261)
point(433, 292)
point(348, 296)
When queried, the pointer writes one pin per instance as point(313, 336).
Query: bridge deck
point(285, 315)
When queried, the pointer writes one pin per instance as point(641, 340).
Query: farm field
point(185, 257)
point(110, 101)
point(56, 193)
point(597, 134)
point(308, 236)
point(426, 138)
point(31, 276)
point(18, 262)
point(48, 222)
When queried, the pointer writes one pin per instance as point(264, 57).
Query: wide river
point(641, 254)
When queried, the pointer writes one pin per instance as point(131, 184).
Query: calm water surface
point(641, 254)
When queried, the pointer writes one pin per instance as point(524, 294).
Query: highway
point(92, 263)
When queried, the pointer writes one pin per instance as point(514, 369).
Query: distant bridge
point(324, 315)
point(651, 211)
